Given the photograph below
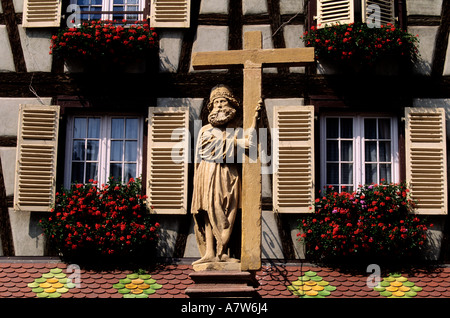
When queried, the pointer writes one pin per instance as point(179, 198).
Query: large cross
point(252, 57)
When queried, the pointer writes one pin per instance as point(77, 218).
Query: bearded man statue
point(217, 176)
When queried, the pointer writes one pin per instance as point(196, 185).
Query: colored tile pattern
point(137, 285)
point(311, 285)
point(21, 279)
point(51, 284)
point(397, 286)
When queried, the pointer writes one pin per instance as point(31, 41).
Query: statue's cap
point(224, 91)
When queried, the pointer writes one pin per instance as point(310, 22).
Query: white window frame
point(104, 146)
point(108, 5)
point(359, 147)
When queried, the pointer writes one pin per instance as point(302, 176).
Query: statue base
point(222, 283)
point(217, 266)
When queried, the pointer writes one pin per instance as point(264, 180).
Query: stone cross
point(252, 57)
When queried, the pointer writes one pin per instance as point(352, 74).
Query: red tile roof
point(34, 278)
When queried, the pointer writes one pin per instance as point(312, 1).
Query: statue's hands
point(258, 108)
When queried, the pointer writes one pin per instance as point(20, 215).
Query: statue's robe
point(217, 185)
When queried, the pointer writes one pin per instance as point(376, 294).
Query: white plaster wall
point(292, 34)
point(291, 6)
point(18, 6)
point(8, 158)
point(214, 6)
point(27, 234)
point(254, 6)
point(427, 38)
point(6, 57)
point(9, 113)
point(423, 7)
point(210, 38)
point(447, 62)
point(36, 48)
point(169, 50)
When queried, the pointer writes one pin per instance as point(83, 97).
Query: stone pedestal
point(214, 283)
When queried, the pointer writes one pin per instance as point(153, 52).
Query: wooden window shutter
point(293, 179)
point(426, 158)
point(168, 157)
point(387, 11)
point(41, 13)
point(170, 13)
point(334, 11)
point(37, 145)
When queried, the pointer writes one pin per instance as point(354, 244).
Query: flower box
point(100, 45)
point(376, 221)
point(90, 223)
point(357, 48)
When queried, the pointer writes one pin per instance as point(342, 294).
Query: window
point(358, 150)
point(111, 9)
point(102, 146)
point(330, 12)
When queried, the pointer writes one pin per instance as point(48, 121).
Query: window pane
point(131, 128)
point(132, 1)
point(130, 150)
point(371, 173)
point(385, 151)
point(116, 150)
point(371, 151)
point(79, 128)
point(370, 128)
point(118, 1)
point(347, 173)
point(91, 171)
point(332, 150)
point(332, 127)
point(115, 170)
point(384, 128)
point(347, 151)
point(92, 150)
point(94, 128)
point(117, 128)
point(346, 127)
point(78, 150)
point(77, 172)
point(130, 171)
point(385, 172)
point(332, 173)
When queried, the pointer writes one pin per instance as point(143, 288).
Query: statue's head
point(222, 105)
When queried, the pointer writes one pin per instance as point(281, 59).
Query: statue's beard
point(221, 117)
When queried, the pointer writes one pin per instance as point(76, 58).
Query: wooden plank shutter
point(334, 11)
point(293, 180)
point(37, 144)
point(387, 11)
point(41, 13)
point(426, 158)
point(170, 13)
point(167, 168)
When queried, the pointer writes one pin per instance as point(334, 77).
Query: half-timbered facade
point(65, 121)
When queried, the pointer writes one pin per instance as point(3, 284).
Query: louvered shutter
point(387, 11)
point(167, 168)
point(426, 159)
point(170, 13)
point(37, 142)
point(41, 13)
point(293, 181)
point(334, 11)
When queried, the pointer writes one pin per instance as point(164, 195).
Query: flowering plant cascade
point(358, 42)
point(104, 39)
point(109, 220)
point(375, 220)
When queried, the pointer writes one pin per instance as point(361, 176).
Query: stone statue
point(217, 179)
